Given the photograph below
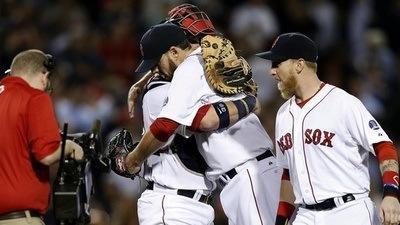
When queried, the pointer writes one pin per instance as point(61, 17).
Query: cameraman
point(29, 139)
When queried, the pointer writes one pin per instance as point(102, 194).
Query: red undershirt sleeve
point(385, 150)
point(199, 116)
point(163, 128)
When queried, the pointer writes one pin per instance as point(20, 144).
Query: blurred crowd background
point(96, 45)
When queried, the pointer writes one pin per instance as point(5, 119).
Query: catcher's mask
point(191, 19)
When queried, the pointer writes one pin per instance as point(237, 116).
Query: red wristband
point(390, 184)
point(391, 177)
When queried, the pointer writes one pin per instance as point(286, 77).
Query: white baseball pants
point(155, 208)
point(252, 196)
point(358, 212)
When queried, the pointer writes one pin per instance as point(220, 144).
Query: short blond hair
point(28, 62)
point(312, 65)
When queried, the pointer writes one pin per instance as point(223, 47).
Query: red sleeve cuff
point(199, 116)
point(163, 128)
point(385, 150)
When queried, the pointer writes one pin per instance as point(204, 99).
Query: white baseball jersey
point(251, 196)
point(326, 144)
point(165, 168)
point(171, 171)
point(224, 149)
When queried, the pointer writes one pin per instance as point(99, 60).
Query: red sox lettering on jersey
point(322, 141)
point(312, 136)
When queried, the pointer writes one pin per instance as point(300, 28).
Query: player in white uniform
point(177, 190)
point(324, 136)
point(239, 154)
point(177, 187)
point(197, 24)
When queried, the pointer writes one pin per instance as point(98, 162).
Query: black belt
point(19, 214)
point(329, 203)
point(183, 192)
point(231, 173)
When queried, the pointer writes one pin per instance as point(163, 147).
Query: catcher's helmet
point(191, 19)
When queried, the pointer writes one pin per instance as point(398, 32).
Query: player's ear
point(173, 52)
point(299, 65)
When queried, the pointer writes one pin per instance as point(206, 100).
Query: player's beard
point(287, 87)
point(168, 71)
point(172, 66)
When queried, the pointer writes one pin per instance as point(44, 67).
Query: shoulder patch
point(373, 125)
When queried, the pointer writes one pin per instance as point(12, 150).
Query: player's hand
point(390, 211)
point(135, 91)
point(130, 164)
point(133, 169)
point(133, 94)
point(75, 151)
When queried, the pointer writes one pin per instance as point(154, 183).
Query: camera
point(73, 186)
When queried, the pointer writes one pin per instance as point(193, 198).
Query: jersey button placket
point(300, 161)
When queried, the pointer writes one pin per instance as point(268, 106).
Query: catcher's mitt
point(227, 73)
point(117, 149)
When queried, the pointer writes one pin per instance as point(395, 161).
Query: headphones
point(49, 63)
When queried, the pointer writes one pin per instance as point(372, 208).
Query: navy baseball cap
point(157, 41)
point(291, 46)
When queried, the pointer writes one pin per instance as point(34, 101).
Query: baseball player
point(234, 156)
point(177, 169)
point(324, 136)
point(178, 192)
point(196, 25)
